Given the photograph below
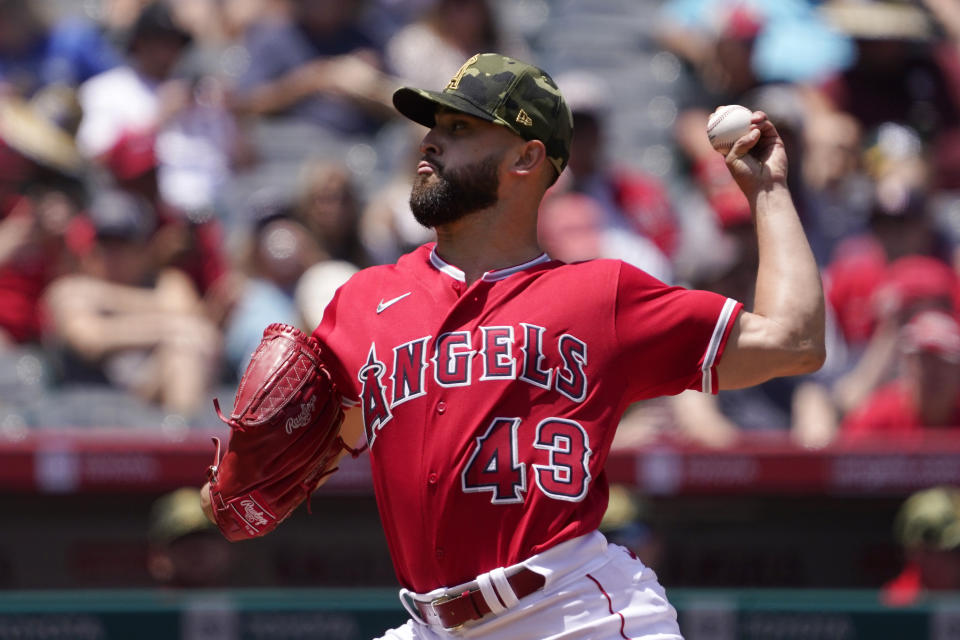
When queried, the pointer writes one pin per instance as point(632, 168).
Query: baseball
point(726, 125)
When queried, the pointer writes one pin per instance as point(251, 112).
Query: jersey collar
point(490, 276)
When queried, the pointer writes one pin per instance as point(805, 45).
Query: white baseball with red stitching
point(726, 125)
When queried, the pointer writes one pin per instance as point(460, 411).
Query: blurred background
point(174, 176)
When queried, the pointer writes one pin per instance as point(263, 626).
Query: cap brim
point(421, 106)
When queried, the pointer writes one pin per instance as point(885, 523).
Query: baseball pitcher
point(489, 379)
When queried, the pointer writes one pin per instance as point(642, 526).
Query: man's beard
point(456, 192)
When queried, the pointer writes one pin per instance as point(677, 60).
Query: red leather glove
point(285, 435)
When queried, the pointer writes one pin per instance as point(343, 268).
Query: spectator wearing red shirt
point(124, 320)
point(40, 231)
point(926, 394)
point(888, 297)
point(900, 232)
point(928, 527)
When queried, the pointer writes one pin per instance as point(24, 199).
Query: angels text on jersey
point(462, 358)
point(499, 352)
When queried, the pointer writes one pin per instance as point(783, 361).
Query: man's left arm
point(351, 431)
point(784, 334)
point(285, 435)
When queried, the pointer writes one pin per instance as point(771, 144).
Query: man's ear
point(532, 155)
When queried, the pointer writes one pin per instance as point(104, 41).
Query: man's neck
point(486, 241)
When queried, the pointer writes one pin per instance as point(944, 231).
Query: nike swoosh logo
point(382, 306)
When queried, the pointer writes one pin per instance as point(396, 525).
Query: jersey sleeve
point(669, 339)
point(335, 336)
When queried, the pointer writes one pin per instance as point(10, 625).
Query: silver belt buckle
point(448, 598)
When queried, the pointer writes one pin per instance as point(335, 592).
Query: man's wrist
point(771, 194)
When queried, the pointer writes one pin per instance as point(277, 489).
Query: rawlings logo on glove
point(303, 418)
point(284, 435)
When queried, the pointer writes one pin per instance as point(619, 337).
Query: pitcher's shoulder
point(408, 268)
point(597, 268)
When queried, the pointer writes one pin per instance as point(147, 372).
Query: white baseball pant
point(594, 591)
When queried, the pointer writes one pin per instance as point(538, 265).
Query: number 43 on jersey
point(561, 472)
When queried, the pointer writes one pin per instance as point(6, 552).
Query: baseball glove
point(284, 435)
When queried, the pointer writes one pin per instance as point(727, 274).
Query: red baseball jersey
point(489, 409)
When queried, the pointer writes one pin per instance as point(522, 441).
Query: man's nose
point(429, 145)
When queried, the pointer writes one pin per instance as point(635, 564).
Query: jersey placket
point(438, 476)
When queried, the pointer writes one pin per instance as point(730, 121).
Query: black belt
point(452, 612)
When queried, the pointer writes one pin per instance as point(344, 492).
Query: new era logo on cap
point(517, 95)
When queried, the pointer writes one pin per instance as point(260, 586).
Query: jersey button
point(441, 407)
point(439, 553)
point(432, 478)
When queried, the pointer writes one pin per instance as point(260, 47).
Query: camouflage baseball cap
point(498, 89)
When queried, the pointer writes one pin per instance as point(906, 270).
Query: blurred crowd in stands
point(176, 175)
